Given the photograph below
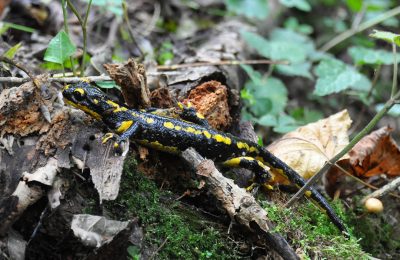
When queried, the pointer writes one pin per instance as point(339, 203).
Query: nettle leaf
point(362, 55)
point(386, 36)
point(268, 95)
point(286, 45)
point(249, 8)
point(302, 5)
point(60, 48)
point(335, 76)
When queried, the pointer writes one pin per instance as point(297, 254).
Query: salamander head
point(86, 97)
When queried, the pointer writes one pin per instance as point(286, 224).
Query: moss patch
point(312, 233)
point(175, 230)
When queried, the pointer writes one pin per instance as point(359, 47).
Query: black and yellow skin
point(174, 135)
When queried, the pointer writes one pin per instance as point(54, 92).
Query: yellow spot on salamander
point(308, 193)
point(242, 145)
point(124, 126)
point(95, 101)
point(67, 87)
point(169, 125)
point(178, 128)
point(80, 90)
point(158, 146)
point(253, 149)
point(222, 139)
point(190, 130)
point(84, 108)
point(117, 108)
point(232, 162)
point(207, 134)
point(199, 115)
point(197, 132)
point(149, 120)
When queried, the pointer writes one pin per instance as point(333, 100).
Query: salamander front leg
point(119, 139)
point(261, 170)
point(190, 114)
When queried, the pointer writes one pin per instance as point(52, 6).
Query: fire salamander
point(173, 135)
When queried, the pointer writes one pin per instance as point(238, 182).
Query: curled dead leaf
point(308, 148)
point(375, 154)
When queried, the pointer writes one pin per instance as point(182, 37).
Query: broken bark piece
point(29, 190)
point(239, 204)
point(20, 112)
point(131, 76)
point(211, 100)
point(161, 98)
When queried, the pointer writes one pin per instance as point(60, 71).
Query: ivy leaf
point(335, 76)
point(386, 36)
point(298, 69)
point(302, 5)
point(249, 8)
point(60, 48)
point(362, 55)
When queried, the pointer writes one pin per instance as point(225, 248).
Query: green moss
point(307, 228)
point(168, 225)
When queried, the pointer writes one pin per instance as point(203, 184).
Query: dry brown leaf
point(308, 148)
point(375, 154)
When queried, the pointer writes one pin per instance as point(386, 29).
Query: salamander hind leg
point(262, 175)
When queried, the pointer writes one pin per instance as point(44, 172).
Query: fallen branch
point(384, 190)
point(220, 63)
point(239, 204)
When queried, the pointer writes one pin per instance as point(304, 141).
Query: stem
point(85, 38)
point(395, 65)
point(83, 26)
point(130, 30)
point(64, 10)
point(388, 105)
point(365, 25)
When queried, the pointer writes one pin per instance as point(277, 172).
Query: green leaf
point(268, 95)
point(302, 5)
point(298, 69)
point(107, 84)
point(362, 55)
point(249, 8)
point(10, 53)
point(5, 26)
point(60, 48)
point(386, 36)
point(354, 5)
point(335, 76)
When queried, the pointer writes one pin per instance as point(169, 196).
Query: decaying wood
point(239, 204)
point(131, 76)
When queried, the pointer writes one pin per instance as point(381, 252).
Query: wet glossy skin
point(175, 135)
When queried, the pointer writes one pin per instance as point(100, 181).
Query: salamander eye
point(79, 94)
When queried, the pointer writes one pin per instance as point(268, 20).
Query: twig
point(21, 67)
point(388, 105)
point(395, 65)
point(18, 80)
point(222, 62)
point(82, 22)
point(128, 24)
point(382, 191)
point(158, 249)
point(365, 25)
